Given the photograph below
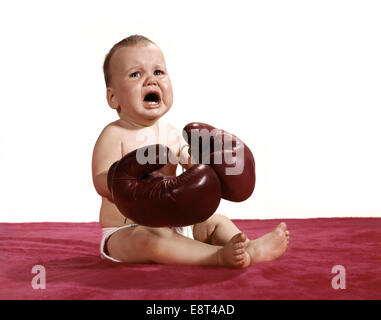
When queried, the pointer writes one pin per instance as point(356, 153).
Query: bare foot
point(234, 254)
point(270, 246)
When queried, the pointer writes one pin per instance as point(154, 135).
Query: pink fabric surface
point(74, 270)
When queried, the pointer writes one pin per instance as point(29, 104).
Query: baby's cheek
point(168, 98)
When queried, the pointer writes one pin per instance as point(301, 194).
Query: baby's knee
point(220, 218)
point(216, 219)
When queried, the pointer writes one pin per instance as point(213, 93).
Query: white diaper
point(107, 232)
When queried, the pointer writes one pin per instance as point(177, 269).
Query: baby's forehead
point(136, 54)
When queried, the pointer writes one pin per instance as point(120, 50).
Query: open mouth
point(152, 98)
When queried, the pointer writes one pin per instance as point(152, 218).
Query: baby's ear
point(112, 99)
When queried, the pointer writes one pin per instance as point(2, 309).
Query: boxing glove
point(151, 199)
point(227, 155)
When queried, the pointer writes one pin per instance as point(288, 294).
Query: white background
point(298, 81)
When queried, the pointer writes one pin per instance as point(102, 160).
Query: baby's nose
point(151, 81)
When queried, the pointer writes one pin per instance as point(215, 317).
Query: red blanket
point(69, 252)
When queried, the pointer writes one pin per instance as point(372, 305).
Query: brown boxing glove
point(154, 200)
point(227, 155)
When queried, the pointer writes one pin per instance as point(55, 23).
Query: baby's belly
point(110, 216)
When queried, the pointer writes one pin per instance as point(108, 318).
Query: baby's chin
point(155, 113)
point(145, 117)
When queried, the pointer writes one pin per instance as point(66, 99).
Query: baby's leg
point(217, 229)
point(165, 246)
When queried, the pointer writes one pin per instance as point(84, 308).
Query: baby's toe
point(238, 252)
point(238, 238)
point(238, 245)
point(239, 257)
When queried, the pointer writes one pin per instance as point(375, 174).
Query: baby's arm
point(107, 150)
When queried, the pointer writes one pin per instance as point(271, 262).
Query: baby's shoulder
point(112, 129)
point(111, 135)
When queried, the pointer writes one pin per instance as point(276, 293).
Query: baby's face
point(140, 85)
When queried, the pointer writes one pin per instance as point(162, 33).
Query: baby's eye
point(158, 72)
point(135, 74)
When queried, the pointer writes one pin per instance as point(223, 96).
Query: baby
point(140, 90)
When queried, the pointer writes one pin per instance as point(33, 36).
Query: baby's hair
point(130, 41)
